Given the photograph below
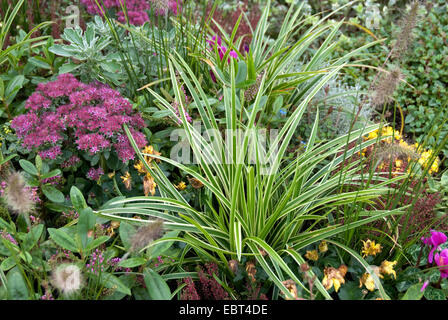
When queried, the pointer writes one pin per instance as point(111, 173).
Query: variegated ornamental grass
point(247, 210)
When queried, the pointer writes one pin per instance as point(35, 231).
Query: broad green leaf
point(28, 167)
point(413, 293)
point(113, 282)
point(86, 223)
point(51, 174)
point(77, 199)
point(16, 286)
point(156, 286)
point(63, 239)
point(8, 263)
point(53, 194)
point(97, 242)
point(32, 237)
point(160, 248)
point(132, 262)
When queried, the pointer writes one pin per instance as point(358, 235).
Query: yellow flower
point(150, 150)
point(181, 186)
point(312, 255)
point(334, 277)
point(372, 135)
point(425, 157)
point(127, 180)
point(367, 281)
point(387, 267)
point(140, 167)
point(370, 248)
point(323, 246)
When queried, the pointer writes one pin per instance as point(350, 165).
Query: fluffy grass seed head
point(146, 234)
point(67, 278)
point(18, 195)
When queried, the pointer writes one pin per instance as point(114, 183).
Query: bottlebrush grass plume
point(67, 278)
point(405, 35)
point(146, 234)
point(18, 195)
point(387, 84)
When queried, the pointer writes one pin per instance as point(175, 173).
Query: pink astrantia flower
point(435, 240)
point(441, 260)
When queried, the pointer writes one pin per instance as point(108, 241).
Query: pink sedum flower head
point(441, 260)
point(435, 240)
point(137, 10)
point(91, 115)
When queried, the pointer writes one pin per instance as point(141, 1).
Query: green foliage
point(245, 208)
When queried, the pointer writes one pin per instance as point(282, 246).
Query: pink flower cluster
point(96, 262)
point(34, 193)
point(71, 215)
point(3, 186)
point(71, 162)
point(114, 262)
point(137, 10)
point(7, 236)
point(95, 174)
point(91, 115)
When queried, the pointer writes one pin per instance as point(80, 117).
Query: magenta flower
point(435, 240)
point(442, 261)
point(425, 284)
point(217, 42)
point(137, 10)
point(68, 110)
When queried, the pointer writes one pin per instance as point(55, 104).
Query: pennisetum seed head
point(386, 86)
point(67, 278)
point(146, 234)
point(18, 195)
point(405, 35)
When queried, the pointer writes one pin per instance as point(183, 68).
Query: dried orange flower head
point(292, 289)
point(323, 246)
point(251, 270)
point(333, 277)
point(312, 255)
point(127, 180)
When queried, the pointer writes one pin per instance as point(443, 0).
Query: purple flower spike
point(425, 284)
point(435, 240)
